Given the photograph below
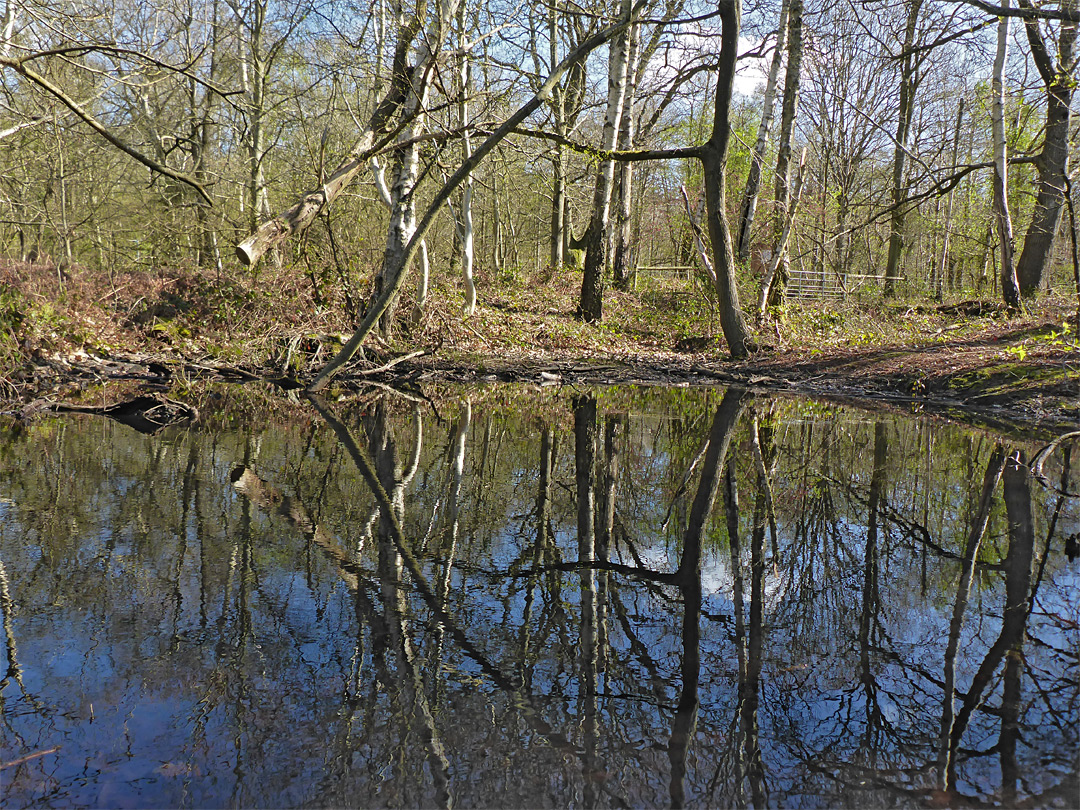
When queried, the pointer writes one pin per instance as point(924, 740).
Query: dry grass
point(275, 320)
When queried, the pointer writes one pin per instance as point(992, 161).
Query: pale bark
point(465, 220)
point(542, 95)
point(591, 301)
point(621, 268)
point(7, 28)
point(402, 225)
point(757, 158)
point(1009, 288)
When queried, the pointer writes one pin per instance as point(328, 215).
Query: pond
point(525, 597)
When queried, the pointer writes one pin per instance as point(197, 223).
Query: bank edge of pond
point(1033, 397)
point(1017, 411)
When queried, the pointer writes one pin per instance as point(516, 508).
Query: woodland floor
point(75, 336)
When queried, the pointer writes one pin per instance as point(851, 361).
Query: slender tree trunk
point(781, 246)
point(908, 84)
point(591, 302)
point(557, 239)
point(7, 26)
point(783, 152)
point(757, 159)
point(465, 223)
point(943, 265)
point(622, 264)
point(963, 593)
point(1009, 288)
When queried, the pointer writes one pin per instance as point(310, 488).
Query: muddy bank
point(87, 338)
point(971, 381)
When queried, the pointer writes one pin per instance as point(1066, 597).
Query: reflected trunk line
point(543, 507)
point(1018, 598)
point(7, 607)
point(204, 561)
point(453, 499)
point(967, 572)
point(688, 579)
point(185, 507)
point(246, 572)
point(605, 528)
point(681, 490)
point(764, 487)
point(1019, 595)
point(750, 686)
point(585, 468)
point(737, 729)
point(457, 468)
point(531, 712)
point(871, 600)
point(408, 677)
point(1052, 528)
point(735, 548)
point(746, 754)
point(395, 602)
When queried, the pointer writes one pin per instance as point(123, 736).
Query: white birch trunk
point(7, 31)
point(465, 222)
point(590, 307)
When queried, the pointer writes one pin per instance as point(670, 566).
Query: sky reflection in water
point(618, 599)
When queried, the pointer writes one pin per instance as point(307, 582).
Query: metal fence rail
point(824, 286)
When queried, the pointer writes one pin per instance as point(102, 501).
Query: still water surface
point(535, 599)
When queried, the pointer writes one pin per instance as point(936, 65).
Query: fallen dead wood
point(147, 413)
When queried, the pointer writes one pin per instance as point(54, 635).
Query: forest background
point(249, 182)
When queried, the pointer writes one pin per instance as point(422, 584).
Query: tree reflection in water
point(609, 599)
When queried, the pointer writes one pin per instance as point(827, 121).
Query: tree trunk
point(1009, 288)
point(757, 159)
point(714, 155)
point(944, 264)
point(1052, 163)
point(465, 222)
point(622, 263)
point(558, 207)
point(591, 302)
point(908, 84)
point(783, 152)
